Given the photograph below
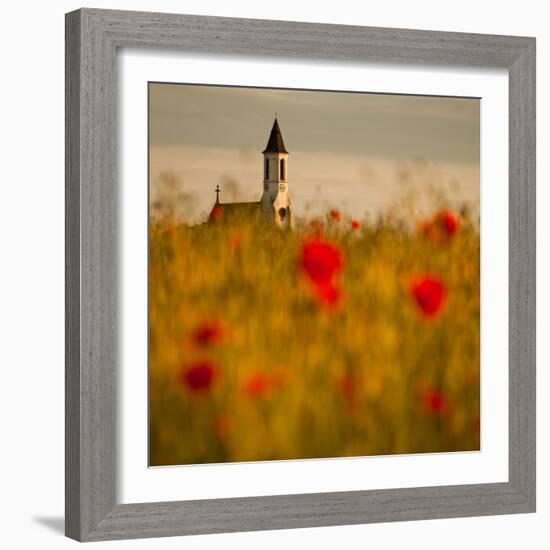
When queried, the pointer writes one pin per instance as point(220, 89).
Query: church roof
point(235, 211)
point(275, 143)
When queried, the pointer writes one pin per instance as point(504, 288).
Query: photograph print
point(314, 274)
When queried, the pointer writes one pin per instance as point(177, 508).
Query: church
point(274, 205)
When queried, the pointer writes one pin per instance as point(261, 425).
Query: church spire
point(275, 143)
point(275, 199)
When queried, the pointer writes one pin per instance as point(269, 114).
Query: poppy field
point(340, 338)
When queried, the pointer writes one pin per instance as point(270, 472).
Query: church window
point(282, 212)
point(266, 169)
point(283, 175)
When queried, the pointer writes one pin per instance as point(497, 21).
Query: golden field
point(337, 339)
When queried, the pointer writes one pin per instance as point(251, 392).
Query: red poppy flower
point(199, 376)
point(441, 228)
point(257, 385)
point(321, 261)
point(449, 222)
point(430, 294)
point(328, 295)
point(234, 243)
point(433, 401)
point(335, 215)
point(355, 224)
point(217, 213)
point(208, 334)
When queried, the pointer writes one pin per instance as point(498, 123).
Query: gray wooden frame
point(92, 39)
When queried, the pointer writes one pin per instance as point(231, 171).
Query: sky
point(366, 154)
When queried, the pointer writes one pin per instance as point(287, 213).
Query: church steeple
point(275, 199)
point(275, 143)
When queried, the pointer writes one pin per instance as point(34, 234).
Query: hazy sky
point(357, 151)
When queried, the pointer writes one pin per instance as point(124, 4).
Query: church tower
point(275, 200)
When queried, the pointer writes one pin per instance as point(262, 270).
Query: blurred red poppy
point(335, 215)
point(198, 376)
point(209, 333)
point(321, 261)
point(448, 221)
point(328, 295)
point(430, 294)
point(433, 401)
point(217, 213)
point(355, 224)
point(234, 242)
point(257, 385)
point(442, 227)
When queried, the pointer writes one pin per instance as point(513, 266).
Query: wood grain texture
point(72, 276)
point(522, 274)
point(92, 37)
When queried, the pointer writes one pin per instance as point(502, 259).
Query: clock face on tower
point(282, 187)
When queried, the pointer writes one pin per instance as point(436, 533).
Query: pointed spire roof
point(275, 143)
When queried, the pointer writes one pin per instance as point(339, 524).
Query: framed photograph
point(300, 275)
